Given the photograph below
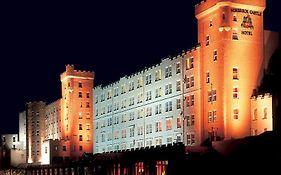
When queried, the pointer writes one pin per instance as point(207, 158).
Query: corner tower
point(231, 36)
point(77, 108)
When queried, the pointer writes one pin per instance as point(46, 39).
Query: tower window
point(80, 94)
point(80, 85)
point(235, 73)
point(235, 18)
point(234, 36)
point(207, 77)
point(255, 114)
point(80, 138)
point(223, 16)
point(80, 126)
point(264, 113)
point(211, 23)
point(80, 148)
point(235, 113)
point(207, 40)
point(88, 95)
point(235, 93)
point(215, 55)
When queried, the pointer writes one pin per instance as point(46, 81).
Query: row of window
point(223, 17)
point(140, 130)
point(80, 95)
point(264, 114)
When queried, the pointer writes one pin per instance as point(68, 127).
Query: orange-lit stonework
point(233, 29)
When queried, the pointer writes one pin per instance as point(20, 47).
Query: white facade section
point(10, 141)
point(141, 110)
point(22, 130)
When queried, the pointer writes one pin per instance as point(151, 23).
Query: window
point(88, 95)
point(192, 100)
point(109, 94)
point(207, 40)
point(80, 85)
point(80, 126)
point(123, 133)
point(88, 105)
point(131, 86)
point(132, 131)
point(149, 129)
point(148, 111)
point(139, 82)
point(169, 124)
point(264, 113)
point(158, 109)
point(235, 73)
point(123, 89)
point(215, 55)
point(211, 23)
point(214, 116)
point(178, 68)
point(168, 71)
point(214, 95)
point(187, 101)
point(115, 92)
point(234, 18)
point(169, 140)
point(234, 36)
point(158, 92)
point(80, 148)
point(178, 122)
point(235, 113)
point(208, 77)
point(187, 82)
point(80, 94)
point(178, 85)
point(80, 138)
point(140, 98)
point(14, 139)
point(158, 126)
point(192, 120)
point(178, 103)
point(255, 114)
point(158, 75)
point(140, 130)
point(235, 93)
point(64, 148)
point(188, 121)
point(169, 106)
point(88, 126)
point(223, 16)
point(189, 63)
point(191, 81)
point(168, 89)
point(148, 95)
point(148, 79)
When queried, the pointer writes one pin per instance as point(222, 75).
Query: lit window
point(168, 124)
point(235, 73)
point(88, 126)
point(179, 122)
point(207, 40)
point(80, 85)
point(189, 63)
point(264, 113)
point(234, 36)
point(255, 114)
point(214, 116)
point(215, 56)
point(235, 93)
point(208, 77)
point(158, 75)
point(235, 113)
point(80, 94)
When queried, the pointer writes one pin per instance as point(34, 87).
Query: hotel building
point(203, 93)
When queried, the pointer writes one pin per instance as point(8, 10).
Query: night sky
point(112, 39)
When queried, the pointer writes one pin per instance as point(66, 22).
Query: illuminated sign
point(252, 12)
point(247, 22)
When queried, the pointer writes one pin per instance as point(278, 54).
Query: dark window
point(80, 85)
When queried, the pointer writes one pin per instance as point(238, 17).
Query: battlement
point(261, 96)
point(207, 4)
point(70, 71)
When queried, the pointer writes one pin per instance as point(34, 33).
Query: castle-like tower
point(232, 52)
point(76, 116)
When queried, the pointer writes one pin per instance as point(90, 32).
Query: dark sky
point(112, 39)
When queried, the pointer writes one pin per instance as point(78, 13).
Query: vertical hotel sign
point(247, 22)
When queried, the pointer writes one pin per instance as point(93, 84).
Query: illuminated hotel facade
point(205, 92)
